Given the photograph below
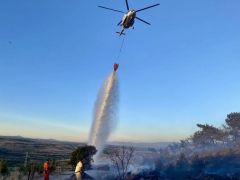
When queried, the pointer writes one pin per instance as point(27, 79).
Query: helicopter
point(129, 17)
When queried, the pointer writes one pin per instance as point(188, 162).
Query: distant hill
point(13, 149)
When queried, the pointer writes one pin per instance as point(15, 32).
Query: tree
point(208, 135)
point(3, 167)
point(83, 154)
point(233, 122)
point(121, 159)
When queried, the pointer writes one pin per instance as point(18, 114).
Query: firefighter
point(46, 170)
point(78, 170)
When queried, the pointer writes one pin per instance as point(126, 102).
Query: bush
point(3, 167)
point(83, 154)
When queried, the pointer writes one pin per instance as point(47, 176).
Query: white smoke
point(105, 113)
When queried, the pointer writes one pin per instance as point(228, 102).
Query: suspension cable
point(120, 50)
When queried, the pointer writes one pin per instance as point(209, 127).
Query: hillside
point(13, 149)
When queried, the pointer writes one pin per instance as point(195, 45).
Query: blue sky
point(181, 70)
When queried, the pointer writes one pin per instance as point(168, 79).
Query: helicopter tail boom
point(121, 33)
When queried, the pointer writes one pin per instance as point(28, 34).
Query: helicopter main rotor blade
point(147, 7)
point(111, 9)
point(119, 23)
point(143, 20)
point(127, 4)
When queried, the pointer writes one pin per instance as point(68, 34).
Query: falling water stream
point(105, 113)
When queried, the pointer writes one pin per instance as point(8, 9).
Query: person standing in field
point(78, 170)
point(46, 170)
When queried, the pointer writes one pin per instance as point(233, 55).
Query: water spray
point(105, 112)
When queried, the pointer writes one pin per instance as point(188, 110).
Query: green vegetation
point(3, 167)
point(83, 154)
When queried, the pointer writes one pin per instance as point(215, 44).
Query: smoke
point(105, 113)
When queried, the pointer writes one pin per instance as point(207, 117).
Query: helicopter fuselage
point(128, 19)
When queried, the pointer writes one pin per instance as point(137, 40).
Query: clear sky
point(182, 70)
